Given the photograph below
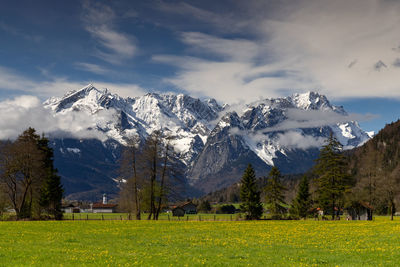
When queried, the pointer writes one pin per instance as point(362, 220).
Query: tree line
point(29, 183)
point(328, 188)
point(150, 166)
point(151, 177)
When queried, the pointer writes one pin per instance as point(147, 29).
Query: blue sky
point(233, 51)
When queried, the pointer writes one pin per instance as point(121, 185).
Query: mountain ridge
point(215, 141)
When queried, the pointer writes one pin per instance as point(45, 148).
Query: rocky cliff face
point(215, 142)
point(285, 132)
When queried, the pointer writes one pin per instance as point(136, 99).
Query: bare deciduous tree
point(148, 168)
point(129, 170)
point(162, 190)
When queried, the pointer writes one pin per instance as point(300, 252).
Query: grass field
point(193, 243)
point(163, 216)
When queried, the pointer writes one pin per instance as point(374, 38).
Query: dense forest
point(375, 167)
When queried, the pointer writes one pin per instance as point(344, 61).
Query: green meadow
point(195, 243)
point(163, 216)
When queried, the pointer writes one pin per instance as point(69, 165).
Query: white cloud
point(116, 46)
point(296, 140)
point(122, 89)
point(25, 111)
point(231, 49)
point(288, 133)
point(321, 45)
point(58, 86)
point(221, 22)
point(301, 119)
point(94, 68)
point(291, 139)
point(396, 63)
point(227, 81)
point(330, 46)
point(11, 80)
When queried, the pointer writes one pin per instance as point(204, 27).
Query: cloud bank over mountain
point(17, 114)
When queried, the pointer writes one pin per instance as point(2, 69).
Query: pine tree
point(302, 203)
point(274, 197)
point(51, 192)
point(250, 196)
point(332, 179)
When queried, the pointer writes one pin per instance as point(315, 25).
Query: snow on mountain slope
point(300, 121)
point(183, 117)
point(188, 119)
point(209, 139)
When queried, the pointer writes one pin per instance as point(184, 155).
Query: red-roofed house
point(104, 207)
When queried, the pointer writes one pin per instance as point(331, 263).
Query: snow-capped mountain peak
point(210, 136)
point(310, 100)
point(88, 97)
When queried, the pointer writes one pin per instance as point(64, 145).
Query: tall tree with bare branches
point(151, 157)
point(164, 173)
point(148, 167)
point(128, 169)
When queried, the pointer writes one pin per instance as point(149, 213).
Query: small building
point(185, 208)
point(104, 207)
point(67, 208)
point(189, 208)
point(71, 208)
point(178, 211)
point(360, 211)
point(86, 207)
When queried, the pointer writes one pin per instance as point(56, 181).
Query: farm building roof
point(101, 205)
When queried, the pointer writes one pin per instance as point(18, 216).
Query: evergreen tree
point(21, 172)
point(332, 179)
point(51, 192)
point(250, 196)
point(28, 176)
point(274, 197)
point(302, 203)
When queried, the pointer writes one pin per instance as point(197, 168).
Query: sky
point(233, 51)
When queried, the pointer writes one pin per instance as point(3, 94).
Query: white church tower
point(104, 198)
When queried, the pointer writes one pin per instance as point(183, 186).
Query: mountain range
point(214, 141)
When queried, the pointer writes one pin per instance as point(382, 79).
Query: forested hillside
point(375, 167)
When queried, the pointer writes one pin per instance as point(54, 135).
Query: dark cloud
point(396, 63)
point(380, 65)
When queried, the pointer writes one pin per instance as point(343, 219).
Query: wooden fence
point(163, 217)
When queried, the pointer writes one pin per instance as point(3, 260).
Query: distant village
point(86, 207)
point(104, 206)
